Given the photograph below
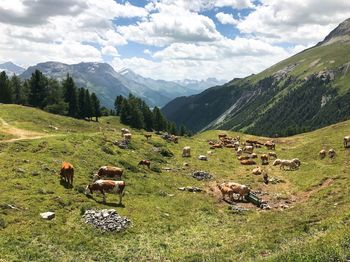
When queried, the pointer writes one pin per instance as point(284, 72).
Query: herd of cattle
point(108, 179)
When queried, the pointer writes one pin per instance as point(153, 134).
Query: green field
point(168, 224)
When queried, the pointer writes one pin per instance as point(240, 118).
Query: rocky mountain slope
point(307, 91)
point(10, 68)
point(102, 79)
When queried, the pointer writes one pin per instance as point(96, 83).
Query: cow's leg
point(103, 195)
point(120, 197)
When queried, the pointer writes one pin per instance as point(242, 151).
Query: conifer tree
point(38, 90)
point(17, 89)
point(88, 105)
point(70, 95)
point(117, 104)
point(81, 103)
point(96, 106)
point(5, 89)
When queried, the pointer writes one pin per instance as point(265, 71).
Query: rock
point(123, 144)
point(20, 170)
point(47, 215)
point(186, 164)
point(106, 220)
point(237, 210)
point(201, 175)
point(35, 173)
point(202, 157)
point(26, 161)
point(190, 189)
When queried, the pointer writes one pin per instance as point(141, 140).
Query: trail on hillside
point(20, 134)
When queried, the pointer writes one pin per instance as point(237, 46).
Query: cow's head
point(95, 177)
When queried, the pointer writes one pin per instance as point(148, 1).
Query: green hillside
point(309, 219)
point(305, 92)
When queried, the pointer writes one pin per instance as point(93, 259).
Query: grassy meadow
point(309, 219)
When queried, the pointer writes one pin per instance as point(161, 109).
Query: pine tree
point(172, 128)
point(81, 103)
point(125, 112)
point(17, 89)
point(5, 89)
point(55, 102)
point(117, 104)
point(182, 130)
point(70, 96)
point(96, 106)
point(38, 90)
point(88, 105)
point(159, 123)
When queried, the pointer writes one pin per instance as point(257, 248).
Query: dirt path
point(20, 134)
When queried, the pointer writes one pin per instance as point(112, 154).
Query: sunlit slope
point(168, 224)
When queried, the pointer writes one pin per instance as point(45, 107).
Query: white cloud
point(295, 21)
point(170, 24)
point(226, 19)
point(69, 31)
point(239, 4)
point(109, 50)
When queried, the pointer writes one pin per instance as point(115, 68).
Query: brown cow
point(264, 159)
point(109, 172)
point(222, 136)
point(248, 162)
point(106, 186)
point(331, 153)
point(243, 158)
point(127, 136)
point(145, 163)
point(322, 153)
point(147, 136)
point(272, 154)
point(270, 145)
point(67, 172)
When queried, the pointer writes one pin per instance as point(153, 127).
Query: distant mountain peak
point(340, 33)
point(11, 68)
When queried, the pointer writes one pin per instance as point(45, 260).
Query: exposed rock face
point(106, 220)
point(340, 33)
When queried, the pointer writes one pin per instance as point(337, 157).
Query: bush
point(166, 152)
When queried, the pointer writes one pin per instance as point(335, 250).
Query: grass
point(168, 224)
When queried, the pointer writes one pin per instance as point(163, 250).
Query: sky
point(166, 39)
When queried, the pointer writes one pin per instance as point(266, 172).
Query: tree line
point(133, 111)
point(63, 98)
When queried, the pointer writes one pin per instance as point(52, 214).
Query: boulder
point(47, 215)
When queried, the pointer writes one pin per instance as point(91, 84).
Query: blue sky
point(166, 39)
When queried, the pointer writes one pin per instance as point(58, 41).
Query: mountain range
point(107, 83)
point(306, 91)
point(10, 68)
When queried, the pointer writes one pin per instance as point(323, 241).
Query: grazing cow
point(270, 145)
point(331, 153)
point(125, 131)
point(264, 159)
point(239, 151)
point(186, 151)
point(297, 161)
point(272, 154)
point(283, 163)
point(322, 153)
point(221, 136)
point(346, 141)
point(266, 178)
point(147, 136)
point(248, 149)
point(109, 172)
point(106, 186)
point(175, 139)
point(145, 163)
point(254, 142)
point(241, 190)
point(253, 155)
point(240, 158)
point(257, 171)
point(127, 136)
point(67, 172)
point(248, 162)
point(226, 191)
point(216, 146)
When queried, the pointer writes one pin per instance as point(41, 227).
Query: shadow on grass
point(65, 184)
point(105, 203)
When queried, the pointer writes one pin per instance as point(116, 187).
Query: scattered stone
point(47, 215)
point(35, 173)
point(53, 127)
point(265, 206)
point(201, 175)
point(20, 170)
point(186, 164)
point(106, 220)
point(167, 168)
point(26, 161)
point(202, 157)
point(275, 180)
point(237, 210)
point(123, 144)
point(190, 189)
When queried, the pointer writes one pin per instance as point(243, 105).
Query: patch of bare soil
point(20, 134)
